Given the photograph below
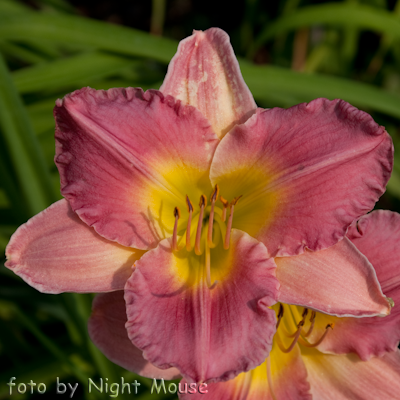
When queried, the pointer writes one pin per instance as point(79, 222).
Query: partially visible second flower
point(199, 190)
point(332, 358)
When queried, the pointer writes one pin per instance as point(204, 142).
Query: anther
point(280, 315)
point(190, 210)
point(229, 227)
point(226, 205)
point(177, 215)
point(202, 204)
point(214, 197)
point(320, 340)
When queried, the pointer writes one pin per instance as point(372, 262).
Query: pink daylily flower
point(199, 190)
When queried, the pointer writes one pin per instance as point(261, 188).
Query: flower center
point(209, 237)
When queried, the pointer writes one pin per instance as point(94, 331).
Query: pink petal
point(205, 73)
point(377, 236)
point(127, 158)
point(107, 331)
point(56, 252)
point(305, 173)
point(347, 378)
point(289, 381)
point(208, 334)
point(338, 280)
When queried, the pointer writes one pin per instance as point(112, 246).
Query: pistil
point(214, 197)
point(229, 226)
point(189, 223)
point(202, 204)
point(177, 215)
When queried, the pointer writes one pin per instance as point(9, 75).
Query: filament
point(312, 320)
point(319, 341)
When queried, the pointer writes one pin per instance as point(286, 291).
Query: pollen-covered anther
point(225, 203)
point(229, 225)
point(189, 223)
point(280, 315)
point(177, 215)
point(305, 343)
point(202, 204)
point(213, 199)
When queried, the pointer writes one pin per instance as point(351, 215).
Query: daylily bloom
point(357, 359)
point(198, 190)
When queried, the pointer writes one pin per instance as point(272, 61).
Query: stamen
point(303, 321)
point(320, 340)
point(296, 338)
point(202, 204)
point(229, 227)
point(269, 376)
point(214, 197)
point(177, 215)
point(226, 204)
point(190, 210)
point(312, 320)
point(280, 315)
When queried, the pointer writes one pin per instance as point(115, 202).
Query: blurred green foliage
point(290, 51)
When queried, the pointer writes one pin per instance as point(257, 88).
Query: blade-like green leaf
point(341, 14)
point(66, 72)
point(268, 79)
point(77, 30)
point(22, 144)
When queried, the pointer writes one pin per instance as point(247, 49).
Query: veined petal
point(56, 252)
point(205, 74)
point(288, 378)
point(348, 378)
point(209, 334)
point(127, 158)
point(338, 281)
point(305, 173)
point(107, 331)
point(377, 236)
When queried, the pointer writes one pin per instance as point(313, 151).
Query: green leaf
point(91, 33)
point(25, 152)
point(71, 71)
point(267, 80)
point(338, 14)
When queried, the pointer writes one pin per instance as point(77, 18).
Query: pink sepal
point(338, 281)
point(56, 252)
